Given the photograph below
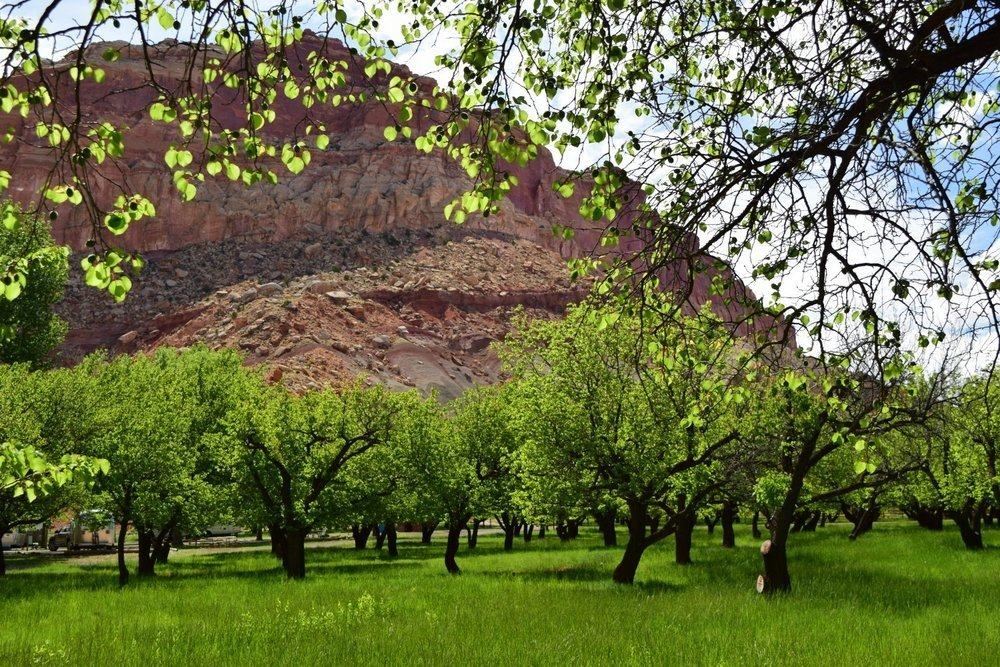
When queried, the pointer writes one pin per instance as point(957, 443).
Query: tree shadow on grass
point(33, 583)
point(583, 574)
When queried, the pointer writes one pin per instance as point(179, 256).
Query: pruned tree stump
point(761, 583)
point(765, 547)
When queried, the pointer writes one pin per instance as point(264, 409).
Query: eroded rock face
point(307, 274)
point(425, 319)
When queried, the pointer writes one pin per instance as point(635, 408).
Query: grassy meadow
point(900, 595)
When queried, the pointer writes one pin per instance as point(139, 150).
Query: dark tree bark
point(278, 541)
point(755, 525)
point(812, 522)
point(259, 534)
point(161, 543)
point(710, 522)
point(774, 552)
point(122, 567)
point(361, 533)
point(509, 523)
point(970, 529)
point(451, 550)
point(122, 530)
point(865, 520)
point(685, 529)
point(161, 552)
point(517, 528)
point(625, 572)
point(472, 533)
point(177, 538)
point(606, 524)
point(799, 521)
point(147, 563)
point(390, 531)
point(637, 522)
point(528, 530)
point(573, 527)
point(728, 517)
point(776, 578)
point(562, 532)
point(541, 531)
point(295, 553)
point(379, 538)
point(926, 517)
point(427, 531)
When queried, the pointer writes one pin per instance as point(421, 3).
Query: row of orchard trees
point(651, 419)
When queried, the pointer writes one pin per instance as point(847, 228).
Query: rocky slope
point(346, 268)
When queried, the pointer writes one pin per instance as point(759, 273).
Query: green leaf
point(12, 291)
point(165, 18)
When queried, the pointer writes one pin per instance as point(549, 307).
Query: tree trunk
point(161, 552)
point(259, 534)
point(728, 517)
point(541, 532)
point(472, 533)
point(122, 530)
point(931, 519)
point(573, 528)
point(606, 524)
point(517, 527)
point(710, 523)
point(637, 520)
point(361, 532)
point(177, 538)
point(278, 541)
point(161, 543)
point(3, 557)
point(865, 521)
point(682, 537)
point(122, 567)
point(390, 531)
point(380, 537)
point(510, 524)
point(528, 530)
point(776, 578)
point(562, 532)
point(295, 553)
point(427, 531)
point(755, 525)
point(147, 564)
point(970, 530)
point(454, 539)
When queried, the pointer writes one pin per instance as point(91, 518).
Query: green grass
point(900, 595)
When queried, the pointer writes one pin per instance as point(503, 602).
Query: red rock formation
point(361, 184)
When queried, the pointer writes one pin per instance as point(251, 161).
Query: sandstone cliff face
point(424, 319)
point(362, 204)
